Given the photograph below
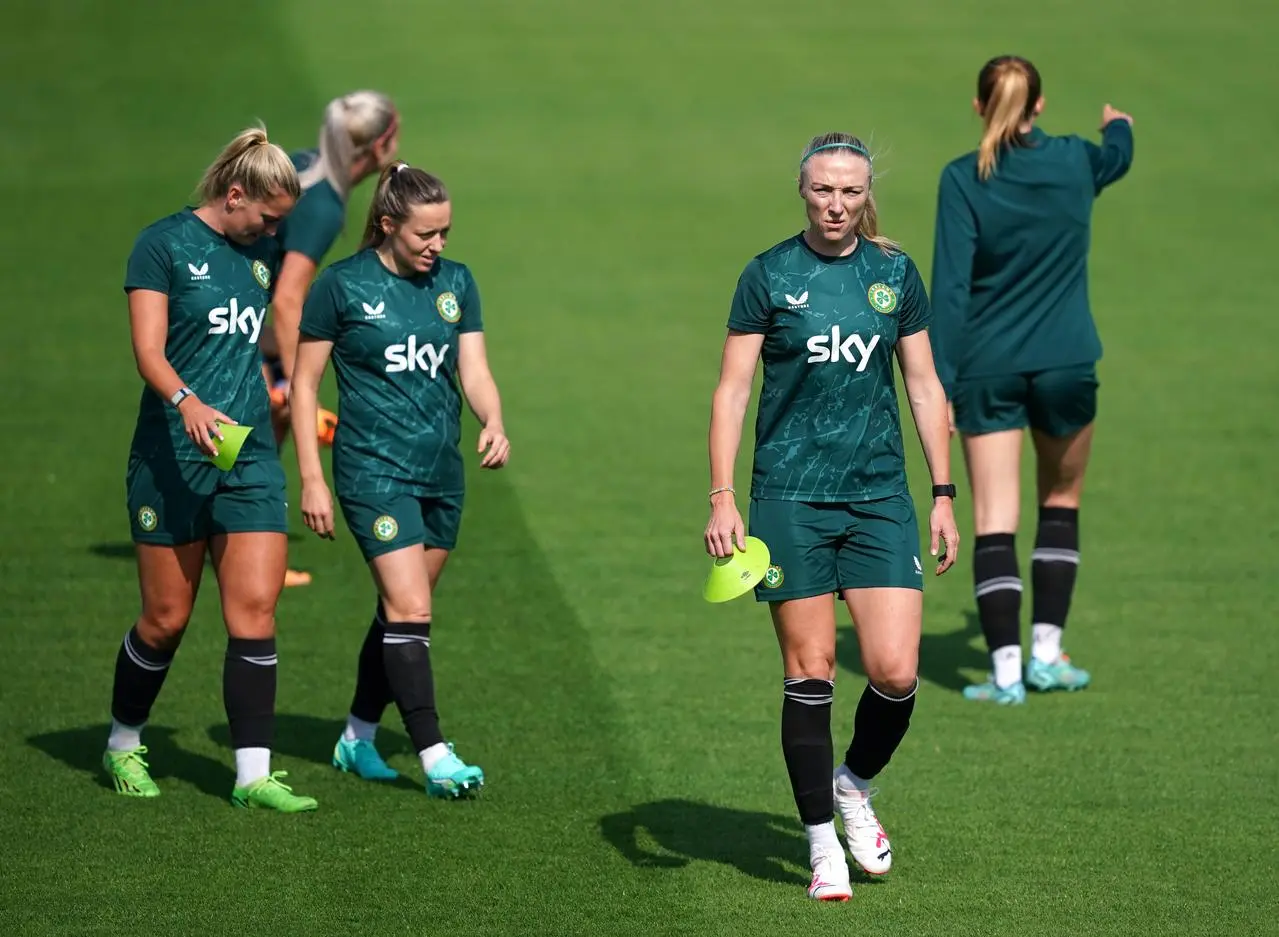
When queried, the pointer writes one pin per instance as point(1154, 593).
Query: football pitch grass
point(613, 167)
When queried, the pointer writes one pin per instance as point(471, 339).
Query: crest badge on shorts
point(147, 518)
point(385, 528)
point(773, 577)
point(882, 297)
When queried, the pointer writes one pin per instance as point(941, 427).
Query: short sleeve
point(150, 266)
point(915, 311)
point(752, 309)
point(322, 311)
point(313, 226)
point(472, 319)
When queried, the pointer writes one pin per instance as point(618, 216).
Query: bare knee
point(894, 677)
point(812, 661)
point(162, 624)
point(414, 610)
point(250, 615)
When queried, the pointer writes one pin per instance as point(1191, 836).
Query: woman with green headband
point(1017, 347)
point(828, 310)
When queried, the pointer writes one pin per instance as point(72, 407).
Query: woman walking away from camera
point(358, 139)
point(827, 310)
point(1017, 347)
point(198, 283)
point(403, 327)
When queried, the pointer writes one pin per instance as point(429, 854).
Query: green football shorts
point(172, 502)
point(382, 523)
point(1058, 402)
point(820, 548)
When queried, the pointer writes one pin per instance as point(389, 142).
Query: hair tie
point(398, 167)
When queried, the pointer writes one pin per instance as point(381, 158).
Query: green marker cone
point(732, 576)
point(229, 445)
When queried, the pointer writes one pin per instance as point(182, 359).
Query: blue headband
point(835, 146)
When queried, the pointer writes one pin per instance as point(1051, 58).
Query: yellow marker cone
point(229, 445)
point(732, 576)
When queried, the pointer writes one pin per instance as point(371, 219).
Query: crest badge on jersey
point(773, 577)
point(147, 518)
point(448, 307)
point(261, 274)
point(882, 297)
point(385, 528)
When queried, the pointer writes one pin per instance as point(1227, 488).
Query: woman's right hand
point(200, 422)
point(1108, 114)
point(317, 508)
point(725, 527)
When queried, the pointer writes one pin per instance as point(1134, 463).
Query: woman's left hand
point(494, 446)
point(941, 524)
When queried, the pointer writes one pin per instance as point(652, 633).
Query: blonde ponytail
point(1007, 90)
point(868, 228)
point(352, 124)
point(255, 164)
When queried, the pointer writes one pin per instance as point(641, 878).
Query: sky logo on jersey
point(232, 320)
point(798, 302)
point(374, 312)
point(414, 357)
point(201, 272)
point(834, 348)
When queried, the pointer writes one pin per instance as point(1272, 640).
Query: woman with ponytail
point(358, 139)
point(198, 283)
point(1017, 347)
point(828, 310)
point(403, 327)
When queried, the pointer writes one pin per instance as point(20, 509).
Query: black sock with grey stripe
point(248, 691)
point(139, 674)
point(406, 653)
point(807, 748)
point(997, 588)
point(372, 689)
point(1053, 567)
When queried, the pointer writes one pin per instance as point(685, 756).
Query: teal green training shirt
point(395, 351)
point(1010, 261)
point(317, 218)
point(827, 426)
point(218, 292)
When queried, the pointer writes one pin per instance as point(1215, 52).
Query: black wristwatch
point(944, 491)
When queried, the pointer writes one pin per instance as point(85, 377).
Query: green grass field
point(613, 166)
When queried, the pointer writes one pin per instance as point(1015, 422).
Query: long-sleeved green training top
point(1010, 261)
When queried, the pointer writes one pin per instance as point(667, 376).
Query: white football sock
point(357, 728)
point(1047, 646)
point(124, 738)
point(251, 764)
point(431, 756)
point(1007, 663)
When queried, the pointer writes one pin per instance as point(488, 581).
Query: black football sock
point(1054, 565)
point(878, 728)
point(997, 588)
point(807, 748)
point(406, 651)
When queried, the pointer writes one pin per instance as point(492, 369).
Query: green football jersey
point(395, 350)
point(218, 293)
point(1010, 261)
point(827, 428)
point(317, 218)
